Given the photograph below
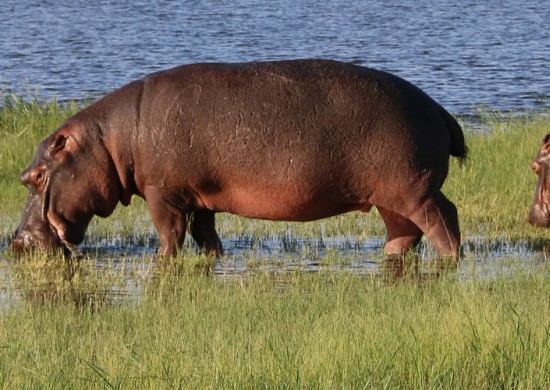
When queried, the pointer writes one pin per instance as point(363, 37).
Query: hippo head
point(71, 178)
point(540, 210)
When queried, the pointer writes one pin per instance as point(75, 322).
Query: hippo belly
point(283, 204)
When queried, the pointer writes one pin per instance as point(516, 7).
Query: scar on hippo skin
point(293, 140)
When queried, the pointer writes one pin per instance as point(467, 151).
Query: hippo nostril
point(536, 167)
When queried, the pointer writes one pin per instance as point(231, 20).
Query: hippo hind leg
point(203, 231)
point(402, 234)
point(437, 217)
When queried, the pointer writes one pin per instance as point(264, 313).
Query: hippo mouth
point(540, 215)
point(55, 223)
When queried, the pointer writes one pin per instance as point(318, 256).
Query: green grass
point(72, 325)
point(294, 330)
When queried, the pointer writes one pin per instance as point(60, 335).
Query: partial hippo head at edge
point(539, 215)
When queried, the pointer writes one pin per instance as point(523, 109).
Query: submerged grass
point(274, 328)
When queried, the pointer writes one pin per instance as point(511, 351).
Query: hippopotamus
point(539, 215)
point(296, 140)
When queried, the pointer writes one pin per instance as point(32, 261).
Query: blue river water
point(493, 54)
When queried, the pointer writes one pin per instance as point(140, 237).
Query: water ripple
point(466, 55)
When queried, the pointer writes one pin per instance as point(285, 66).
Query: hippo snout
point(22, 242)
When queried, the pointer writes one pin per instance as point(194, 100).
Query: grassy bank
point(292, 331)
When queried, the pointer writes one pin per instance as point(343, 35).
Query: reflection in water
point(114, 273)
point(412, 268)
point(52, 280)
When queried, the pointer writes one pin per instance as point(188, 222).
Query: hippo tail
point(458, 144)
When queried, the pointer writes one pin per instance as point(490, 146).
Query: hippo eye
point(59, 143)
point(536, 167)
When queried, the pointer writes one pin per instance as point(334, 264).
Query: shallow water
point(465, 54)
point(118, 272)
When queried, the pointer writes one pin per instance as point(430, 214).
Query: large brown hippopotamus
point(539, 215)
point(290, 141)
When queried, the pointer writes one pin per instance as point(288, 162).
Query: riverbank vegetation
point(173, 324)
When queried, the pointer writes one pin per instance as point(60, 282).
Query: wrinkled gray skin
point(539, 215)
point(289, 141)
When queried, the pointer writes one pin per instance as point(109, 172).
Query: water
point(465, 54)
point(123, 268)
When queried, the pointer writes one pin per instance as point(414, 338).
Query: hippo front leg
point(169, 220)
point(203, 231)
